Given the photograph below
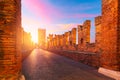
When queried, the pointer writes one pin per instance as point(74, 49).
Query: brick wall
point(91, 59)
point(107, 44)
point(118, 42)
point(10, 39)
point(109, 41)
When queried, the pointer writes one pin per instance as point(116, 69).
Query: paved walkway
point(44, 65)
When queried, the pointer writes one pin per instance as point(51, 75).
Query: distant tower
point(41, 37)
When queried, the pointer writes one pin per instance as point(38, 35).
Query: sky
point(58, 16)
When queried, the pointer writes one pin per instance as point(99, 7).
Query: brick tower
point(41, 37)
point(84, 35)
point(110, 38)
point(10, 39)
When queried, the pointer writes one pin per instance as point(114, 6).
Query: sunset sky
point(58, 16)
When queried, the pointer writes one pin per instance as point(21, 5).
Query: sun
point(35, 39)
point(34, 35)
point(33, 32)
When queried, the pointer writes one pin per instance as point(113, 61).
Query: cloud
point(79, 7)
point(48, 13)
point(41, 13)
point(78, 16)
point(41, 9)
point(67, 26)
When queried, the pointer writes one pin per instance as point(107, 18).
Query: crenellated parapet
point(84, 35)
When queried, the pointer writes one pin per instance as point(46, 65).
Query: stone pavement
point(44, 65)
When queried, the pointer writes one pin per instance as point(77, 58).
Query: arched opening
point(81, 40)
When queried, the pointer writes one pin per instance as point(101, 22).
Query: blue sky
point(58, 16)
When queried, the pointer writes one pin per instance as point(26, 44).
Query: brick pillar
point(118, 32)
point(10, 39)
point(84, 35)
point(86, 31)
point(110, 56)
point(98, 33)
point(98, 28)
point(80, 38)
point(73, 33)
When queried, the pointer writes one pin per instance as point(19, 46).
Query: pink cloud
point(85, 15)
point(80, 16)
point(67, 26)
point(47, 13)
point(41, 9)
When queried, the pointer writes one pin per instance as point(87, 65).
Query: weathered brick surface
point(61, 40)
point(84, 35)
point(49, 40)
point(66, 41)
point(86, 30)
point(98, 29)
point(118, 32)
point(91, 47)
point(67, 38)
point(57, 40)
point(73, 35)
point(10, 39)
point(109, 41)
point(70, 40)
point(81, 46)
point(98, 38)
point(91, 59)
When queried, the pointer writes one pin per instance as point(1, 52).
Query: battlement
point(98, 20)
